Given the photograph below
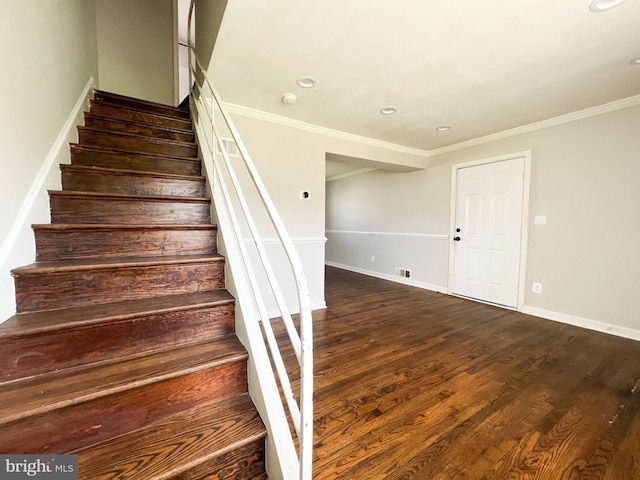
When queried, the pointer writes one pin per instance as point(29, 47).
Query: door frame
point(524, 228)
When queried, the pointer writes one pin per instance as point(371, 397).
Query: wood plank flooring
point(411, 384)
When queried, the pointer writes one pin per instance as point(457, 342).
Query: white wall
point(48, 57)
point(586, 180)
point(291, 160)
point(208, 18)
point(399, 219)
point(136, 48)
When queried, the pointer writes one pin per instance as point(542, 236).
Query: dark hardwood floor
point(411, 384)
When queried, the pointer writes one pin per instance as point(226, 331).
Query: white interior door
point(487, 239)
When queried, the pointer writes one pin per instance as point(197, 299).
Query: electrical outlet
point(407, 273)
point(373, 259)
point(536, 287)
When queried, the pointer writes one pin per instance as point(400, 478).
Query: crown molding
point(352, 173)
point(308, 127)
point(550, 122)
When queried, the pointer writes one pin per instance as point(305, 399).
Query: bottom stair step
point(72, 409)
point(221, 440)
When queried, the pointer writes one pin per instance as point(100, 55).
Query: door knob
point(456, 239)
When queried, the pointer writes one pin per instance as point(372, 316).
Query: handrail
point(227, 189)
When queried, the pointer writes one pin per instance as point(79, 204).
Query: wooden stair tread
point(121, 112)
point(39, 268)
point(179, 112)
point(118, 151)
point(38, 394)
point(142, 138)
point(67, 241)
point(127, 196)
point(31, 323)
point(114, 226)
point(136, 123)
point(120, 171)
point(110, 124)
point(176, 444)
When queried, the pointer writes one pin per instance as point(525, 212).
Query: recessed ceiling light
point(443, 128)
point(604, 5)
point(635, 61)
point(306, 82)
point(388, 110)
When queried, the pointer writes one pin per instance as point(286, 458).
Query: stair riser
point(52, 290)
point(72, 347)
point(70, 209)
point(132, 128)
point(72, 245)
point(152, 365)
point(141, 105)
point(135, 144)
point(243, 463)
point(132, 161)
point(87, 423)
point(131, 184)
point(111, 111)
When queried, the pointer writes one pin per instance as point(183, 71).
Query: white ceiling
point(480, 67)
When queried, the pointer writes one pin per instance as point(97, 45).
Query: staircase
point(123, 348)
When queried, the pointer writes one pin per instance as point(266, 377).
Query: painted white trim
point(294, 309)
point(352, 173)
point(524, 229)
point(308, 127)
point(49, 162)
point(322, 305)
point(550, 122)
point(296, 240)
point(531, 127)
point(595, 325)
point(391, 278)
point(437, 236)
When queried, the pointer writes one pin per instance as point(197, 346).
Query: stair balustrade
point(232, 181)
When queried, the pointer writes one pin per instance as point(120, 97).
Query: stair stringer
point(282, 462)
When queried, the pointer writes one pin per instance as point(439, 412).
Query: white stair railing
point(229, 178)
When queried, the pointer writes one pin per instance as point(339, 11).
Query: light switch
point(540, 220)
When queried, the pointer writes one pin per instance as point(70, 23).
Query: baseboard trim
point(319, 305)
point(275, 313)
point(595, 325)
point(49, 162)
point(602, 327)
point(391, 278)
